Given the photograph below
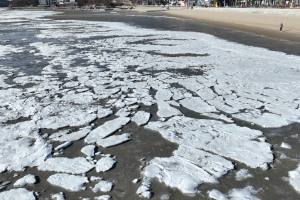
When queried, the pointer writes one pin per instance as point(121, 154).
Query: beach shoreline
point(256, 22)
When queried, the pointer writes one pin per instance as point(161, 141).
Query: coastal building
point(45, 2)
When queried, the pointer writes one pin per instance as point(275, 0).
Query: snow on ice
point(69, 182)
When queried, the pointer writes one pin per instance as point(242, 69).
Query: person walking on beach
point(281, 25)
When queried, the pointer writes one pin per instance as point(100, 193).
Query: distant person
point(281, 26)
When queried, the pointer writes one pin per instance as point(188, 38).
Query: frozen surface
point(103, 186)
point(58, 196)
point(68, 182)
point(68, 165)
point(17, 194)
point(105, 164)
point(285, 145)
point(89, 150)
point(114, 140)
point(26, 180)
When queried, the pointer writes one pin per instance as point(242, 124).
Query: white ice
point(29, 179)
point(69, 182)
point(106, 129)
point(294, 178)
point(88, 150)
point(285, 145)
point(141, 118)
point(114, 140)
point(105, 164)
point(165, 110)
point(17, 194)
point(58, 196)
point(103, 186)
point(103, 197)
point(77, 165)
point(235, 193)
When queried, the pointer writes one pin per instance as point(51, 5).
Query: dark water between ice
point(148, 144)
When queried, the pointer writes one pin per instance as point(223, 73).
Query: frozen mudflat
point(71, 89)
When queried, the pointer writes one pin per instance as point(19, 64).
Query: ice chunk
point(95, 178)
point(236, 193)
point(68, 165)
point(163, 94)
point(26, 180)
point(105, 164)
point(68, 182)
point(89, 150)
point(103, 197)
point(114, 140)
point(17, 194)
point(104, 112)
point(141, 117)
point(144, 191)
point(103, 186)
point(106, 129)
point(213, 164)
point(217, 137)
point(294, 178)
point(165, 110)
point(242, 174)
point(178, 173)
point(285, 145)
point(197, 104)
point(58, 196)
point(74, 136)
point(64, 145)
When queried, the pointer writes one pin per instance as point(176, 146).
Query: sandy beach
point(253, 20)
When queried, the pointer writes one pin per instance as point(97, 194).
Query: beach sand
point(266, 24)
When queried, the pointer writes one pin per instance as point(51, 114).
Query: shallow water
point(146, 143)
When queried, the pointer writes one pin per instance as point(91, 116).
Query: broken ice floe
point(210, 135)
point(141, 118)
point(236, 193)
point(294, 178)
point(17, 194)
point(68, 182)
point(114, 140)
point(77, 165)
point(285, 145)
point(106, 129)
point(103, 186)
point(63, 146)
point(165, 110)
point(58, 196)
point(103, 197)
point(89, 150)
point(26, 180)
point(105, 164)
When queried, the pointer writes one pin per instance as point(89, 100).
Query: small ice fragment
point(103, 186)
point(6, 183)
point(215, 194)
point(242, 174)
point(2, 188)
point(267, 178)
point(285, 145)
point(103, 197)
point(105, 164)
point(88, 150)
point(68, 182)
point(136, 180)
point(95, 178)
point(64, 145)
point(144, 191)
point(164, 197)
point(16, 174)
point(26, 180)
point(58, 196)
point(97, 153)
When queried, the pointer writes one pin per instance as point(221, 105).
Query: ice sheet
point(17, 194)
